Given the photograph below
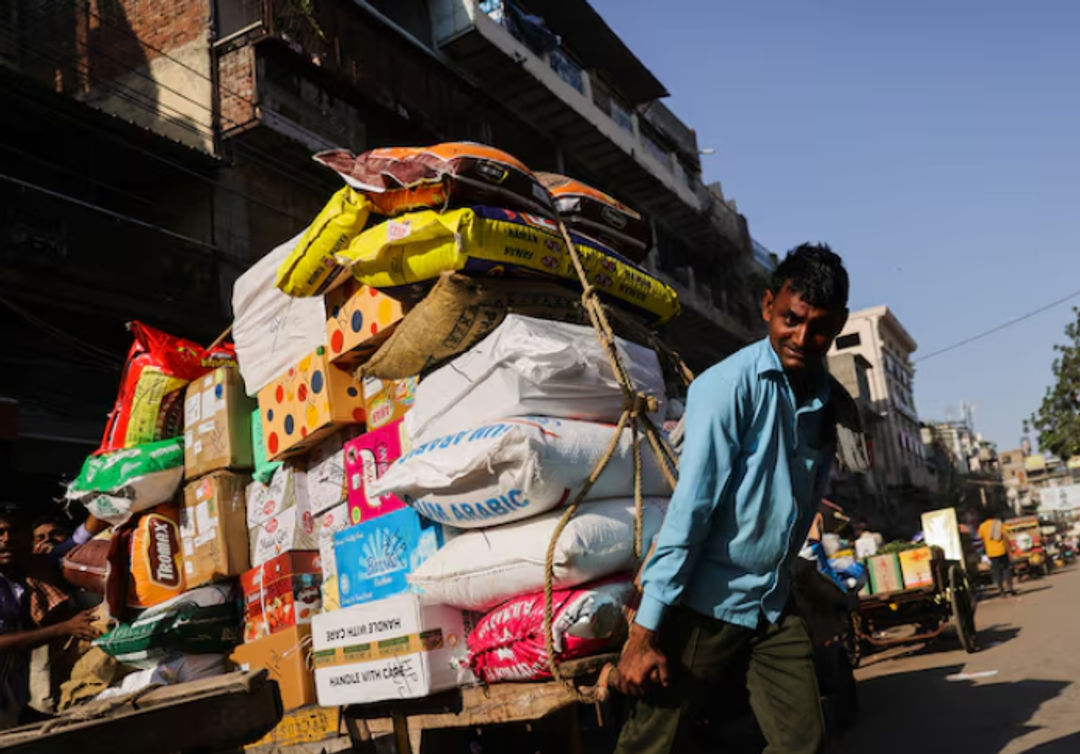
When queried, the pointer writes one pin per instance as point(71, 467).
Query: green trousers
point(706, 657)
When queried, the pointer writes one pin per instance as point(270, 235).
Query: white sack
point(272, 330)
point(482, 568)
point(515, 468)
point(179, 668)
point(530, 367)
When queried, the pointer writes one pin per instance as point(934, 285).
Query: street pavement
point(1030, 704)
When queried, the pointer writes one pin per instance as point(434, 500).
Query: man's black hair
point(54, 519)
point(14, 515)
point(815, 273)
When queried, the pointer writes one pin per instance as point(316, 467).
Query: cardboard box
point(327, 525)
point(283, 592)
point(367, 457)
point(326, 483)
point(291, 530)
point(393, 648)
point(213, 530)
point(358, 320)
point(287, 489)
point(374, 557)
point(217, 428)
point(884, 573)
point(386, 401)
point(916, 567)
point(285, 655)
point(264, 468)
point(302, 726)
point(307, 403)
point(867, 545)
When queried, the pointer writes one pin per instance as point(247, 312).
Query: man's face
point(800, 334)
point(48, 536)
point(14, 543)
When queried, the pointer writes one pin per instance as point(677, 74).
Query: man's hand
point(641, 663)
point(81, 626)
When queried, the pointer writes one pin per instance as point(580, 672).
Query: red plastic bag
point(149, 406)
point(508, 643)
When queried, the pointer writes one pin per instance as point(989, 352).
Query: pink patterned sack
point(508, 643)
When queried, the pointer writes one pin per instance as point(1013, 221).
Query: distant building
point(860, 495)
point(968, 452)
point(877, 335)
point(1014, 475)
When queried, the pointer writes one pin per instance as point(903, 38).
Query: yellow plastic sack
point(310, 269)
point(419, 246)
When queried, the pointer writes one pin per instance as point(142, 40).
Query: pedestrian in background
point(992, 533)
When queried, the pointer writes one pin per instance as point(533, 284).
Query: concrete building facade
point(162, 148)
point(876, 335)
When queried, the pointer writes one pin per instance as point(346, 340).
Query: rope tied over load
point(636, 410)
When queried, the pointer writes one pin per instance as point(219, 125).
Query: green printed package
point(264, 468)
point(116, 485)
point(203, 621)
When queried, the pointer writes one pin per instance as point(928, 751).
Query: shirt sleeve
point(81, 536)
point(710, 450)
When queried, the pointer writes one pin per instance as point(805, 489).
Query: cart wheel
point(853, 640)
point(963, 610)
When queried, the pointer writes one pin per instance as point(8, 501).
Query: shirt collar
point(769, 362)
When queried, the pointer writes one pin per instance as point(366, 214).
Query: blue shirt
point(751, 476)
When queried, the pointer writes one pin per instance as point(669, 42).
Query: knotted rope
point(636, 408)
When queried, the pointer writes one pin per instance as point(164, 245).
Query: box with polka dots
point(358, 320)
point(307, 403)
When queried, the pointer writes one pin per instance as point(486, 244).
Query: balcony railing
point(545, 44)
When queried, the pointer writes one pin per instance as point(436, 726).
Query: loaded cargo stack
point(420, 468)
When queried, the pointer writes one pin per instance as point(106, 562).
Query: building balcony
point(615, 131)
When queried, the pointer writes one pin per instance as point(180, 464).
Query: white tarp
point(481, 568)
point(530, 367)
point(510, 469)
point(272, 330)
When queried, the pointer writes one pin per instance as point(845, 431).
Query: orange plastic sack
point(602, 218)
point(149, 406)
point(156, 562)
point(403, 179)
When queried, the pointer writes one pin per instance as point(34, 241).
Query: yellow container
point(915, 566)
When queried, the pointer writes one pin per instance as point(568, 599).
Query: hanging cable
point(998, 328)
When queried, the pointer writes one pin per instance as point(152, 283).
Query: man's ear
point(767, 300)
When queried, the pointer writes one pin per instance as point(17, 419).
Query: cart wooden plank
point(229, 710)
point(484, 705)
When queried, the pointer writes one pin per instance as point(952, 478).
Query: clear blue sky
point(934, 145)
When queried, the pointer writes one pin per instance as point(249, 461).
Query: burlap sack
point(459, 311)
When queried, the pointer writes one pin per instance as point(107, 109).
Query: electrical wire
point(120, 142)
point(998, 328)
point(120, 216)
point(100, 356)
point(180, 119)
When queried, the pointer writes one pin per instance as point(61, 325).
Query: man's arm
point(79, 626)
point(714, 413)
point(713, 416)
point(83, 534)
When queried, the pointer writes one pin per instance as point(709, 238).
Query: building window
point(621, 116)
point(653, 147)
point(848, 341)
point(568, 70)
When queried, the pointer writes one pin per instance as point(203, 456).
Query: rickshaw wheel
point(963, 611)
